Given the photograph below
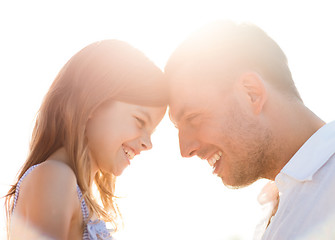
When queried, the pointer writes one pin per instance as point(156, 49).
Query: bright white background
point(163, 196)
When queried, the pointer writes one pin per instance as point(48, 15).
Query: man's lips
point(214, 158)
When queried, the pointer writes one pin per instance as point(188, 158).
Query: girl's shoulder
point(49, 184)
point(55, 167)
point(48, 197)
point(51, 174)
point(50, 178)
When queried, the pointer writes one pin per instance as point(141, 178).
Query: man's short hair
point(234, 48)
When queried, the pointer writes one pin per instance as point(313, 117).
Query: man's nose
point(188, 144)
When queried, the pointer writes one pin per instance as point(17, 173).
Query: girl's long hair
point(109, 69)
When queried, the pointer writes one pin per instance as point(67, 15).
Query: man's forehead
point(189, 78)
point(171, 116)
point(187, 74)
point(184, 85)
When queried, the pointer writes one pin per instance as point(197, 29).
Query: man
point(235, 105)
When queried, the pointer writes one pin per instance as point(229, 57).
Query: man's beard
point(252, 150)
point(253, 162)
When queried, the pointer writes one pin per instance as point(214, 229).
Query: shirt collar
point(313, 154)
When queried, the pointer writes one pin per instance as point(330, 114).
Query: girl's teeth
point(130, 154)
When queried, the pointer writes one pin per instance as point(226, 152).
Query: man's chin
point(236, 184)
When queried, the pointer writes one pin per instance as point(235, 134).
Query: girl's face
point(118, 131)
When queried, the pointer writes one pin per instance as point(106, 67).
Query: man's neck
point(294, 127)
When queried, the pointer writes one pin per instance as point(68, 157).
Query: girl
point(98, 114)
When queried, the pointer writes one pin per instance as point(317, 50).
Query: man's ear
point(253, 86)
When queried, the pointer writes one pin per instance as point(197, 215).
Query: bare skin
point(42, 197)
point(251, 128)
point(48, 195)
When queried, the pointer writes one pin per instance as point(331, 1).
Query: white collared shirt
point(306, 186)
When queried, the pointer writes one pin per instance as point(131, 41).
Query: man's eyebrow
point(178, 115)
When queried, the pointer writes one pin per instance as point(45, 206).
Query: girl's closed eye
point(140, 122)
point(112, 127)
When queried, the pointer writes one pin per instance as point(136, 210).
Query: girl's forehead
point(154, 114)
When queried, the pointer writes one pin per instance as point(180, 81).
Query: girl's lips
point(128, 160)
point(129, 153)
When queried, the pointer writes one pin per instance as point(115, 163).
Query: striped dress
point(93, 230)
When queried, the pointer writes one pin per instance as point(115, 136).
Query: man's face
point(216, 123)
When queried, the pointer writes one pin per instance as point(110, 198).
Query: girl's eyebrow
point(147, 115)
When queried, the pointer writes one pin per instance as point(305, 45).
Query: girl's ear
point(253, 87)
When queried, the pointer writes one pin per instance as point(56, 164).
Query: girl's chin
point(118, 172)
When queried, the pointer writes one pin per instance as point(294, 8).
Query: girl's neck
point(61, 156)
